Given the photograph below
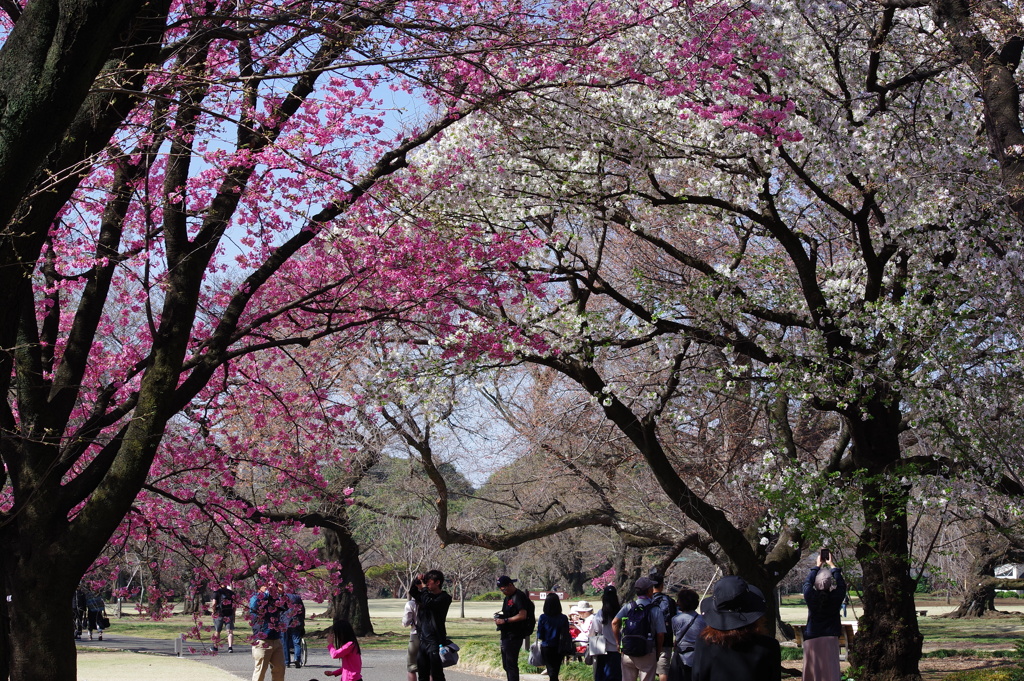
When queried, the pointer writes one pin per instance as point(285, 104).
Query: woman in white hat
point(586, 614)
point(731, 647)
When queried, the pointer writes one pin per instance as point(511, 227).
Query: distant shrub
point(1007, 594)
point(947, 652)
point(982, 675)
point(792, 653)
point(489, 596)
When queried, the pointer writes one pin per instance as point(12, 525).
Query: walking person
point(432, 604)
point(266, 607)
point(603, 644)
point(824, 593)
point(515, 624)
point(640, 630)
point(296, 619)
point(96, 613)
point(343, 645)
point(551, 627)
point(733, 646)
point(224, 607)
point(686, 627)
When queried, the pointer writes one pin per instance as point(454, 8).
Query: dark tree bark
point(979, 601)
point(994, 67)
point(991, 551)
point(888, 642)
point(351, 602)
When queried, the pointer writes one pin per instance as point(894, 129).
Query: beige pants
point(268, 654)
point(643, 666)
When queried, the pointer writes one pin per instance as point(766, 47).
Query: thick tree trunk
point(888, 642)
point(38, 622)
point(351, 602)
point(5, 627)
point(979, 601)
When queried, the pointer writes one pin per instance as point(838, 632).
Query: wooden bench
point(845, 638)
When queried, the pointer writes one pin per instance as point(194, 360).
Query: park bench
point(845, 638)
point(922, 613)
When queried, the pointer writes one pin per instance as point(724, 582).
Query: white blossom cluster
point(861, 254)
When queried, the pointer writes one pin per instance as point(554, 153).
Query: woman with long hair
point(602, 643)
point(552, 625)
point(342, 644)
point(733, 647)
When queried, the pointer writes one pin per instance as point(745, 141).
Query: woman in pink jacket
point(342, 645)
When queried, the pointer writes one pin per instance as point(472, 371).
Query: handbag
point(104, 622)
point(535, 658)
point(596, 645)
point(449, 653)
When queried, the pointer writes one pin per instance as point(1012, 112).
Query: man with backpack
point(515, 622)
point(639, 628)
point(668, 611)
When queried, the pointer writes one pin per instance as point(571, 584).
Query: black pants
point(552, 661)
point(677, 671)
point(510, 648)
point(428, 662)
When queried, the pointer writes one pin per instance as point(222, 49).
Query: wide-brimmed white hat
point(584, 606)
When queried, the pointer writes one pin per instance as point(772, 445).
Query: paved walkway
point(161, 662)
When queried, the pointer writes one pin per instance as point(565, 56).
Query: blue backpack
point(635, 632)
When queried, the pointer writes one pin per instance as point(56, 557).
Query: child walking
point(342, 645)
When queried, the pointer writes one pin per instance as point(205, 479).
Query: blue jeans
point(608, 667)
point(292, 645)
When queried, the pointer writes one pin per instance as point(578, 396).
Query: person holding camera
point(515, 622)
point(432, 605)
point(824, 592)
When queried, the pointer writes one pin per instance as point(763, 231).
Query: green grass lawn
point(1000, 632)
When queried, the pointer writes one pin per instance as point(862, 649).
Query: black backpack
point(635, 633)
point(669, 609)
point(531, 617)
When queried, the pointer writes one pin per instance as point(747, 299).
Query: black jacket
point(430, 619)
point(759, 660)
point(823, 606)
